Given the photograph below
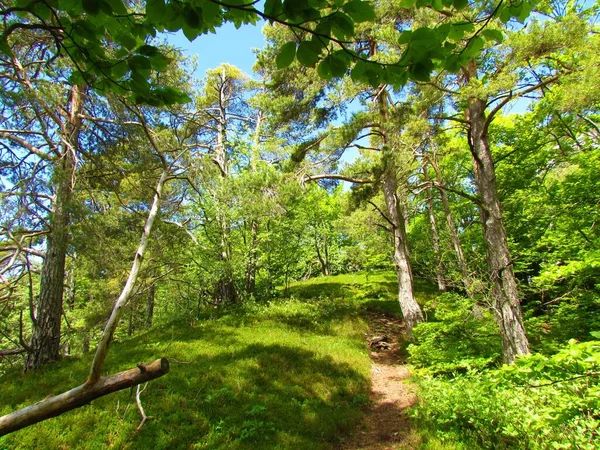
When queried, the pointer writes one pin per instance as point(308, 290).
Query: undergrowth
point(468, 400)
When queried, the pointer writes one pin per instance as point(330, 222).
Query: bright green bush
point(538, 403)
point(453, 339)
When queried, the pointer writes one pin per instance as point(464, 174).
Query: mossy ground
point(292, 373)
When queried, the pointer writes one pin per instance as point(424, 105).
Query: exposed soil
point(386, 425)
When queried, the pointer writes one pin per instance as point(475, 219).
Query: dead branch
point(81, 395)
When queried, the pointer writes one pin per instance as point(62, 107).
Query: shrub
point(453, 339)
point(539, 402)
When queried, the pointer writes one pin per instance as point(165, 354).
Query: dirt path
point(386, 425)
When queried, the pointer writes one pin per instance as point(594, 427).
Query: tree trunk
point(439, 265)
point(322, 261)
point(251, 265)
point(506, 304)
point(454, 237)
point(45, 340)
point(409, 306)
point(150, 305)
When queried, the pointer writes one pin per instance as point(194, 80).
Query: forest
point(404, 186)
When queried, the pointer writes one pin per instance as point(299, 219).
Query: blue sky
point(228, 45)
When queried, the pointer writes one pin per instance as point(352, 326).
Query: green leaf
point(117, 6)
point(92, 7)
point(41, 10)
point(190, 33)
point(273, 8)
point(474, 46)
point(339, 63)
point(138, 62)
point(342, 25)
point(461, 4)
point(451, 63)
point(421, 71)
point(395, 75)
point(405, 37)
point(595, 334)
point(156, 11)
point(437, 5)
point(192, 17)
point(160, 62)
point(76, 78)
point(105, 7)
point(4, 47)
point(493, 35)
point(126, 41)
point(359, 70)
point(359, 11)
point(120, 69)
point(324, 69)
point(147, 50)
point(286, 55)
point(308, 53)
point(85, 29)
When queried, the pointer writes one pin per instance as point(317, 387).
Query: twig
point(140, 407)
point(585, 375)
point(171, 360)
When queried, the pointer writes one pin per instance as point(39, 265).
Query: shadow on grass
point(235, 395)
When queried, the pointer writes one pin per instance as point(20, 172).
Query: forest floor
point(386, 425)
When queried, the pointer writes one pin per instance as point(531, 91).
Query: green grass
point(290, 374)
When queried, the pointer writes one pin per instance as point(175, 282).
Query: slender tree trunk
point(439, 265)
point(45, 340)
point(454, 237)
point(409, 306)
point(506, 303)
point(322, 261)
point(113, 320)
point(150, 305)
point(252, 256)
point(225, 290)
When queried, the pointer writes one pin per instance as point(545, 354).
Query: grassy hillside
point(290, 374)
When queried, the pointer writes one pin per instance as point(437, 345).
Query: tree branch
point(81, 395)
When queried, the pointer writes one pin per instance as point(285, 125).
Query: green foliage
point(538, 403)
point(458, 336)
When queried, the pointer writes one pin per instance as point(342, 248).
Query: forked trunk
point(506, 304)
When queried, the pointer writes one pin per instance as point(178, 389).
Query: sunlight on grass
point(292, 373)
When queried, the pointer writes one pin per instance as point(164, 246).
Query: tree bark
point(81, 395)
point(506, 303)
point(409, 306)
point(45, 340)
point(439, 265)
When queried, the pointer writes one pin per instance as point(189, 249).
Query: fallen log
point(82, 395)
